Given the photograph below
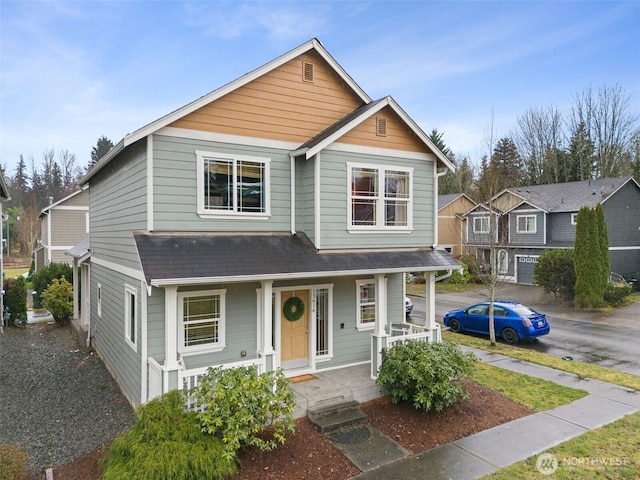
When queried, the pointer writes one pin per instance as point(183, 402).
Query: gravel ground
point(57, 399)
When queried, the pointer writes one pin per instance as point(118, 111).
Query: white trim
point(292, 163)
point(289, 276)
point(516, 262)
point(209, 348)
point(380, 152)
point(380, 226)
point(316, 207)
point(201, 155)
point(149, 192)
point(360, 326)
point(130, 292)
point(128, 271)
point(70, 208)
point(170, 329)
point(99, 300)
point(144, 370)
point(478, 217)
point(502, 271)
point(574, 218)
point(625, 248)
point(227, 138)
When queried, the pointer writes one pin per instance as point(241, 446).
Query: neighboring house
point(452, 223)
point(63, 224)
point(535, 218)
point(268, 223)
point(4, 196)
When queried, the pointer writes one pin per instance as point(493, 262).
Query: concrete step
point(332, 416)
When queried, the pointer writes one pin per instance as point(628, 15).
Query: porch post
point(170, 331)
point(379, 336)
point(430, 308)
point(75, 290)
point(266, 327)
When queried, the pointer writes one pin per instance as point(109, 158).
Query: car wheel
point(454, 325)
point(509, 335)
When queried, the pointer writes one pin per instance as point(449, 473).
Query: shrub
point(457, 277)
point(239, 403)
point(426, 374)
point(555, 272)
point(616, 295)
point(46, 274)
point(13, 462)
point(472, 263)
point(16, 300)
point(58, 299)
point(166, 443)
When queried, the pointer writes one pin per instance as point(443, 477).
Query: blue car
point(513, 321)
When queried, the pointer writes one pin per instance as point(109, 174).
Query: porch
point(352, 382)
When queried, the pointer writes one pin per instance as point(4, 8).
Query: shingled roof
point(171, 258)
point(570, 196)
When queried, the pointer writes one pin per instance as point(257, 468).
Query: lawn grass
point(419, 288)
point(524, 389)
point(611, 451)
point(580, 369)
point(14, 272)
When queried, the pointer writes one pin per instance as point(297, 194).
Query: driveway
point(608, 339)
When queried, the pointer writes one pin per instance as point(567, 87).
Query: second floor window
point(481, 225)
point(380, 197)
point(232, 184)
point(526, 223)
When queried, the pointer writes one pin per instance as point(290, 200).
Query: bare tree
point(609, 123)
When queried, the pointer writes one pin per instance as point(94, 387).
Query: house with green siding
point(268, 223)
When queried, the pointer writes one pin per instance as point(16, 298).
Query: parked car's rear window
point(524, 311)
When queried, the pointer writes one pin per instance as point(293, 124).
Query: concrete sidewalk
point(488, 451)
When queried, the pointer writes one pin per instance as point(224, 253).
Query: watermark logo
point(547, 463)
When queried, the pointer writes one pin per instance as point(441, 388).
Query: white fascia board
point(527, 203)
point(288, 276)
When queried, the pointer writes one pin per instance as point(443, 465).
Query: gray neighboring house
point(532, 219)
point(63, 225)
point(269, 223)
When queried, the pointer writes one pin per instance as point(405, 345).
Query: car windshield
point(524, 311)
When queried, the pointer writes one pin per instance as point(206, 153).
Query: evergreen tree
point(580, 161)
point(20, 184)
point(436, 138)
point(603, 249)
point(101, 148)
point(589, 291)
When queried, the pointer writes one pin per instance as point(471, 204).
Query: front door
point(294, 328)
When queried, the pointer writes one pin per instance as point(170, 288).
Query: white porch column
point(379, 336)
point(170, 328)
point(76, 305)
point(430, 308)
point(265, 349)
point(381, 304)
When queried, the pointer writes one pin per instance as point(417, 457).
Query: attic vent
point(381, 126)
point(307, 72)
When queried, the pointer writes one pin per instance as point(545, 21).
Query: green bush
point(472, 263)
point(555, 272)
point(13, 462)
point(16, 300)
point(239, 403)
point(58, 299)
point(615, 295)
point(46, 274)
point(427, 374)
point(457, 277)
point(166, 443)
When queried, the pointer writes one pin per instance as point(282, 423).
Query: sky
point(73, 71)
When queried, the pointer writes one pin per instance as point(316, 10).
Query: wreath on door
point(293, 309)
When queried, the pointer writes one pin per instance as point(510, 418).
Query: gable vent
point(307, 71)
point(381, 126)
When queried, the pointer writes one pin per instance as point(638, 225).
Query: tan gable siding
point(279, 105)
point(506, 201)
point(398, 136)
point(460, 205)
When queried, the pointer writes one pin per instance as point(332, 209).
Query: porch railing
point(189, 378)
point(403, 332)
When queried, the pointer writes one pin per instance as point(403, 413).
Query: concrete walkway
point(488, 451)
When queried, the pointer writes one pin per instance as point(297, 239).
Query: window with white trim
point(380, 197)
point(480, 224)
point(526, 224)
point(233, 184)
point(574, 219)
point(503, 262)
point(131, 315)
point(366, 304)
point(201, 321)
point(99, 300)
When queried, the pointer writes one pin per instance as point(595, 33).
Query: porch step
point(335, 415)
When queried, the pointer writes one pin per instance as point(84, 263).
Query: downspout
point(293, 194)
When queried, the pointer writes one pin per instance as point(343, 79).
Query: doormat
point(303, 378)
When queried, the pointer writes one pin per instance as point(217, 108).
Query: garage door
point(525, 265)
